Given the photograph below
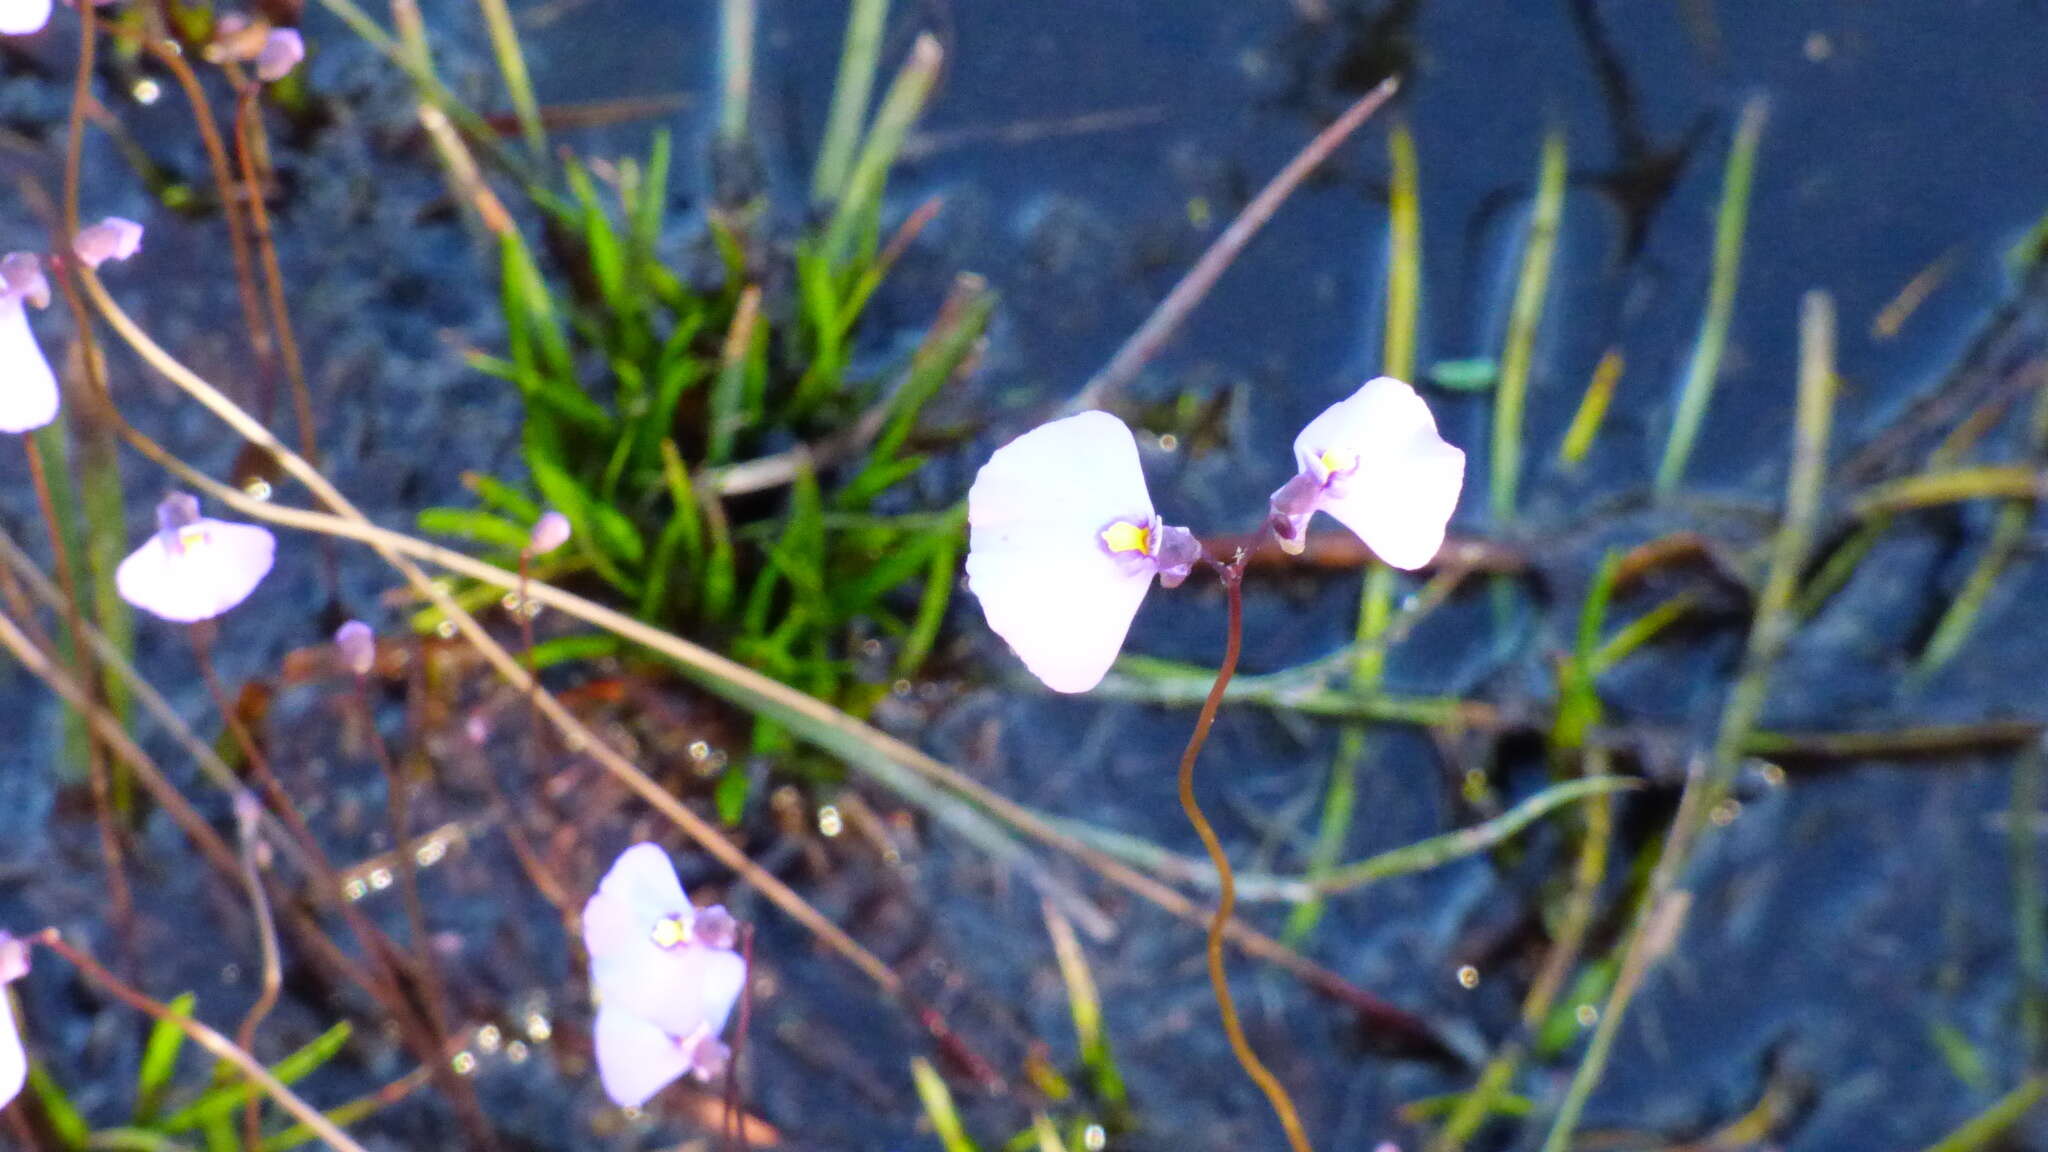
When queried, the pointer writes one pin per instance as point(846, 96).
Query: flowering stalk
point(1232, 575)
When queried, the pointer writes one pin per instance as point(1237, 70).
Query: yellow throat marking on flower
point(1124, 536)
point(671, 931)
point(192, 537)
point(1330, 462)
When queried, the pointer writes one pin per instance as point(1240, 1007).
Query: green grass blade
point(737, 25)
point(160, 1060)
point(860, 205)
point(729, 394)
point(1525, 317)
point(221, 1102)
point(939, 1107)
point(1729, 225)
point(859, 58)
point(518, 84)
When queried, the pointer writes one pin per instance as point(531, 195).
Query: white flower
point(21, 17)
point(1063, 545)
point(1375, 462)
point(193, 568)
point(665, 975)
point(28, 389)
point(13, 1060)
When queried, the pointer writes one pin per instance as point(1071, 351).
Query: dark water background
point(1842, 918)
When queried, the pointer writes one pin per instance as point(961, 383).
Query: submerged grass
point(1730, 223)
point(1376, 598)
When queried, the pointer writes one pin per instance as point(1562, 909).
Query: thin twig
point(249, 834)
point(1195, 285)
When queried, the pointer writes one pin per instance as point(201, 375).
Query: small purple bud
point(358, 646)
point(1175, 552)
point(714, 927)
point(282, 51)
point(248, 810)
point(111, 239)
point(709, 1058)
point(550, 532)
point(22, 274)
point(175, 513)
point(13, 958)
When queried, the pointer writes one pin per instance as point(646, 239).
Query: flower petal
point(218, 571)
point(22, 17)
point(111, 239)
point(639, 890)
point(636, 1059)
point(1035, 555)
point(281, 52)
point(682, 988)
point(13, 1060)
point(1407, 479)
point(28, 389)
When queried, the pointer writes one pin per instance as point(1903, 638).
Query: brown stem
point(1232, 575)
point(250, 151)
point(168, 54)
point(732, 1127)
point(388, 989)
point(249, 835)
point(399, 809)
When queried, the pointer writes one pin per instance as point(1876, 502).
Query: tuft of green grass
point(731, 468)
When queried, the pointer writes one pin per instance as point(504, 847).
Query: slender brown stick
point(168, 54)
point(387, 987)
point(249, 834)
point(250, 151)
point(399, 809)
point(219, 1045)
point(1194, 286)
point(537, 871)
point(1226, 901)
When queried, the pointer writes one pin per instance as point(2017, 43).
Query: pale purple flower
point(665, 976)
point(21, 17)
point(358, 646)
point(111, 239)
point(281, 52)
point(1375, 462)
point(28, 389)
point(550, 532)
point(193, 568)
point(1063, 545)
point(13, 1060)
